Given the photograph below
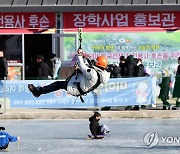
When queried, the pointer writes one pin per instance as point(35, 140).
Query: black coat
point(42, 71)
point(130, 64)
point(165, 85)
point(178, 71)
point(176, 91)
point(94, 126)
point(3, 68)
point(123, 69)
point(139, 70)
point(114, 70)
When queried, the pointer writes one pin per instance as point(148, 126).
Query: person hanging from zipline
point(85, 78)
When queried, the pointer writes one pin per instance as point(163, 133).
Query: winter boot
point(35, 90)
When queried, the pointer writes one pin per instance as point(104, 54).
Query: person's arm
point(12, 138)
point(87, 71)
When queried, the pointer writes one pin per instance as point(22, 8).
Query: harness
point(78, 84)
point(91, 89)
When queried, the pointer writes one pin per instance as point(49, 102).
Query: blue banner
point(117, 92)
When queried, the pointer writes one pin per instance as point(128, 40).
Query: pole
point(18, 144)
point(4, 91)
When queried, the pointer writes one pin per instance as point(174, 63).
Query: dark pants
point(53, 87)
point(165, 103)
point(4, 147)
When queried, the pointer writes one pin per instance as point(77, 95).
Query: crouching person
point(97, 131)
point(5, 138)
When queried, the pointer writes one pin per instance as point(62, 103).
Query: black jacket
point(114, 70)
point(176, 90)
point(178, 71)
point(3, 68)
point(94, 126)
point(139, 70)
point(42, 71)
point(130, 64)
point(123, 69)
point(165, 85)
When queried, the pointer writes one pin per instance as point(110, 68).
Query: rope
point(80, 38)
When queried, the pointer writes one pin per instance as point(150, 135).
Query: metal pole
point(18, 144)
point(4, 91)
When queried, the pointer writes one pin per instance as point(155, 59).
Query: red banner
point(120, 20)
point(30, 21)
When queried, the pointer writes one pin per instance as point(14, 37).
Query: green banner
point(158, 50)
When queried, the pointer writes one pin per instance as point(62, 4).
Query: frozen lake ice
point(69, 136)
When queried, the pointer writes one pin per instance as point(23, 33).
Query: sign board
point(117, 92)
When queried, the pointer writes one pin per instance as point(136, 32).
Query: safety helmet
point(101, 61)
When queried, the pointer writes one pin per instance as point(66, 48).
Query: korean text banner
point(158, 50)
point(117, 92)
point(121, 19)
point(21, 21)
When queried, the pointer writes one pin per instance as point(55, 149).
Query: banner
point(117, 92)
point(158, 50)
point(106, 20)
point(18, 22)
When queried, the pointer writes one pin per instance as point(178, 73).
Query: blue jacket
point(5, 138)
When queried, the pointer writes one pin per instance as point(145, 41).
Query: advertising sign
point(158, 50)
point(19, 22)
point(101, 20)
point(117, 92)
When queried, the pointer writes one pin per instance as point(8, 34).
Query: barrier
point(117, 92)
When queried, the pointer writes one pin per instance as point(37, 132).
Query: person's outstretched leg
point(104, 130)
point(37, 91)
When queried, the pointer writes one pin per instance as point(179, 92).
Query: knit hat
point(2, 128)
point(97, 114)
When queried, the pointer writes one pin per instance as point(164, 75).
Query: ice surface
point(69, 136)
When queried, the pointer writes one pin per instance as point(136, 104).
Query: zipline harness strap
point(91, 89)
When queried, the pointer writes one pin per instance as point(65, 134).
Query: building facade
point(148, 29)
